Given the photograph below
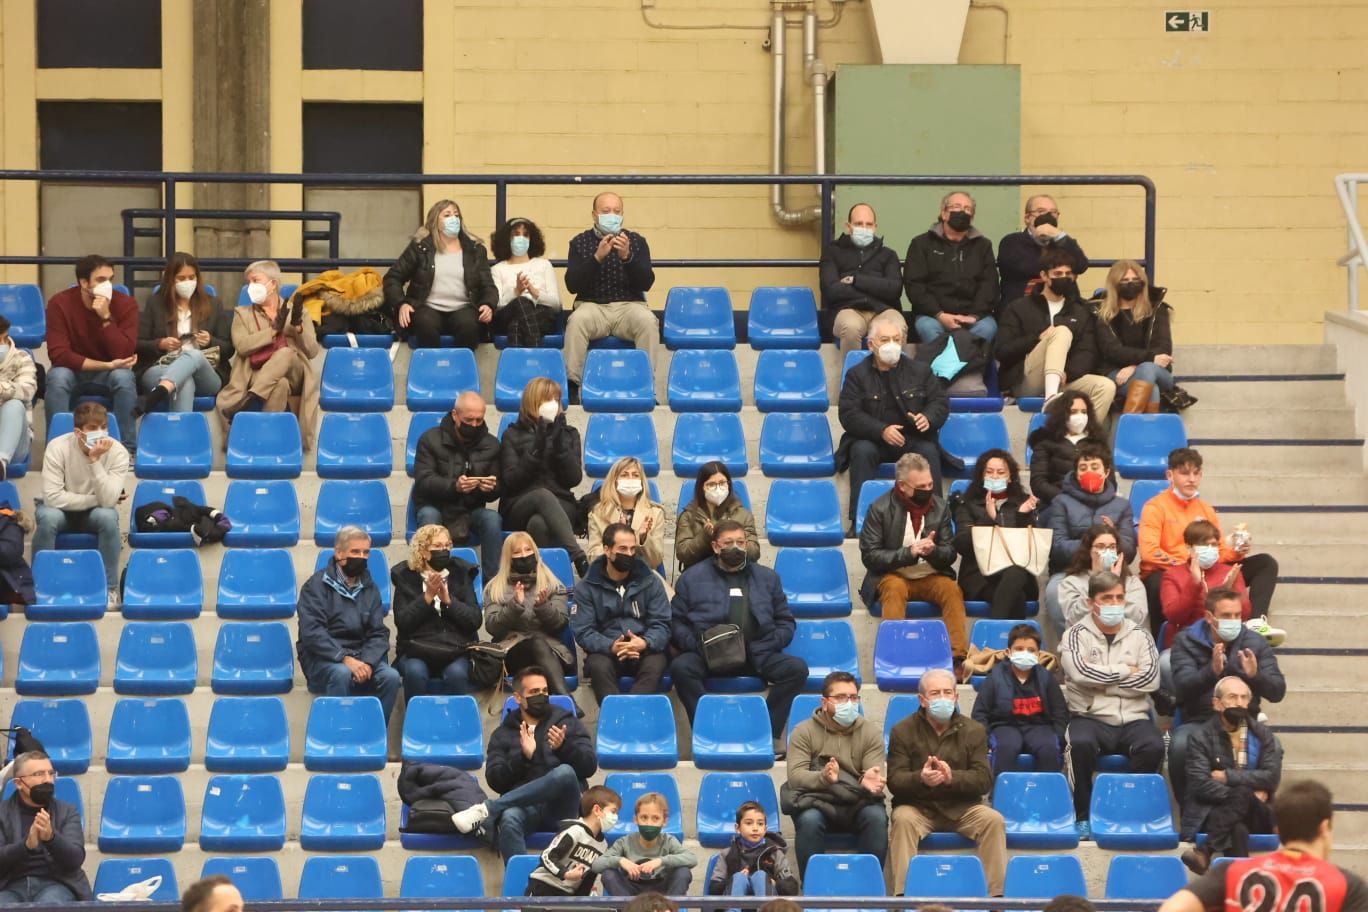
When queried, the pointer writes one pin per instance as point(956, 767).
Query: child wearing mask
point(756, 862)
point(649, 860)
point(1022, 706)
point(1184, 588)
point(567, 864)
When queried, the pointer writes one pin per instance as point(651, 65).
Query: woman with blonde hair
point(625, 498)
point(1135, 341)
point(436, 614)
point(526, 612)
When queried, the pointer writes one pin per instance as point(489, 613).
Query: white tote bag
point(996, 549)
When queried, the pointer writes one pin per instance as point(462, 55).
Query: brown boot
point(1138, 394)
point(1152, 407)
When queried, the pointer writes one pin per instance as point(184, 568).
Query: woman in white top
point(441, 283)
point(529, 298)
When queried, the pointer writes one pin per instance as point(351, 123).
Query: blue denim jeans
point(191, 373)
point(103, 522)
point(929, 329)
point(63, 385)
point(15, 435)
point(533, 807)
point(418, 680)
point(487, 528)
point(35, 890)
point(1149, 372)
point(334, 679)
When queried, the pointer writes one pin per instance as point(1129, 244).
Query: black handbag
point(430, 815)
point(724, 651)
point(439, 648)
point(486, 664)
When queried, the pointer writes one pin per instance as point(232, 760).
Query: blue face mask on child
point(519, 245)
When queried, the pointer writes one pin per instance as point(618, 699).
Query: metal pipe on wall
point(778, 48)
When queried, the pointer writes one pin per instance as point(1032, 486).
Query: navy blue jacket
point(1194, 682)
point(333, 625)
point(703, 600)
point(996, 703)
point(1074, 510)
point(600, 615)
point(506, 768)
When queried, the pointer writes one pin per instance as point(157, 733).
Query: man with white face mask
point(890, 405)
point(860, 278)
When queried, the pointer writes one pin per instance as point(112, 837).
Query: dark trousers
point(785, 674)
point(604, 670)
point(546, 518)
point(1153, 583)
point(429, 325)
point(1006, 592)
point(1088, 739)
point(1040, 741)
point(671, 882)
point(1229, 824)
point(865, 457)
point(536, 651)
point(1260, 572)
point(870, 828)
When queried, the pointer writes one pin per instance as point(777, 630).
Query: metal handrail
point(1346, 188)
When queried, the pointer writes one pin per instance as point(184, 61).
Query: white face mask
point(715, 494)
point(629, 487)
point(186, 287)
point(1077, 422)
point(890, 352)
point(256, 293)
point(548, 410)
point(103, 290)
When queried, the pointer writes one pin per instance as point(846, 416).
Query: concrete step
point(1341, 749)
point(1307, 459)
point(1272, 529)
point(1312, 704)
point(1254, 359)
point(1320, 675)
point(1349, 784)
point(1283, 486)
point(1275, 395)
point(1310, 420)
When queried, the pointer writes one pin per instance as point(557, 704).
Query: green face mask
point(650, 833)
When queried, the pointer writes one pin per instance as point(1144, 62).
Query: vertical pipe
point(169, 201)
point(500, 202)
point(1149, 232)
point(1356, 261)
point(816, 74)
point(779, 51)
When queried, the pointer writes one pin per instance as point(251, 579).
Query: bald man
point(1018, 253)
point(860, 279)
point(455, 478)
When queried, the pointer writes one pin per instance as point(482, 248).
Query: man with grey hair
point(938, 774)
point(950, 275)
point(455, 478)
point(343, 641)
point(42, 844)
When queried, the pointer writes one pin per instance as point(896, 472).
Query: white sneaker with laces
point(466, 821)
point(1260, 625)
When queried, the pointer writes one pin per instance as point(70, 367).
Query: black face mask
point(1235, 716)
point(920, 497)
point(352, 567)
point(527, 564)
point(732, 557)
point(959, 220)
point(538, 706)
point(469, 433)
point(1048, 218)
point(1064, 286)
point(439, 560)
point(1129, 291)
point(42, 793)
point(623, 563)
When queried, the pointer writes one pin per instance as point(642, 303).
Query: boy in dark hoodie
point(756, 863)
point(1022, 706)
point(566, 867)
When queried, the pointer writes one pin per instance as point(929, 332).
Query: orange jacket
point(1162, 523)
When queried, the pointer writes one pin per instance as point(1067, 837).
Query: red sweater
point(74, 332)
point(1184, 600)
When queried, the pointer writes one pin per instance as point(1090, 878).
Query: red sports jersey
point(1280, 882)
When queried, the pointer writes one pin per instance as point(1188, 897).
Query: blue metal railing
point(588, 903)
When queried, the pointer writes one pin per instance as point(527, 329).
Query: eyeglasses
point(1040, 212)
point(41, 774)
point(842, 699)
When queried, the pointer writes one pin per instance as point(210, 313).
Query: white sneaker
point(466, 821)
point(1260, 625)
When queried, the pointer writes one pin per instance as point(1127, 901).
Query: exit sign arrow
point(1187, 21)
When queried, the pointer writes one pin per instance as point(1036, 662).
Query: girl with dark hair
point(994, 497)
point(184, 339)
point(529, 298)
point(1099, 549)
point(714, 500)
point(1069, 420)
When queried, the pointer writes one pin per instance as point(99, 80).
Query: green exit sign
point(1187, 21)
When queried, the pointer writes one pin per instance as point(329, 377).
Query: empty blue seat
point(142, 814)
point(353, 503)
point(966, 435)
point(247, 735)
point(1142, 491)
point(437, 376)
point(732, 732)
point(253, 658)
point(870, 491)
point(243, 814)
point(900, 706)
point(1038, 809)
point(803, 706)
point(63, 726)
point(1032, 876)
point(815, 581)
point(341, 877)
point(357, 380)
point(791, 380)
point(632, 786)
point(783, 318)
point(174, 445)
point(379, 570)
point(156, 658)
point(1132, 811)
point(148, 736)
point(704, 380)
point(70, 586)
point(23, 306)
point(720, 794)
point(843, 875)
point(343, 813)
point(637, 732)
point(946, 876)
point(517, 366)
point(611, 437)
point(803, 512)
point(618, 381)
point(257, 879)
point(166, 492)
point(58, 659)
point(1152, 877)
point(445, 730)
point(797, 445)
point(114, 874)
point(826, 646)
point(355, 445)
point(163, 585)
point(255, 584)
point(699, 317)
point(905, 650)
point(345, 734)
point(440, 876)
point(701, 438)
point(557, 560)
point(516, 872)
point(686, 493)
point(419, 424)
point(264, 445)
point(1143, 443)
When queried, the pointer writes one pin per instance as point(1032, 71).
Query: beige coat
point(652, 543)
point(252, 331)
point(693, 542)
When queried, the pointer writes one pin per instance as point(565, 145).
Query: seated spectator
point(84, 474)
point(1022, 707)
point(949, 274)
point(527, 611)
point(1086, 498)
point(908, 548)
point(1048, 340)
point(214, 893)
point(1110, 669)
point(92, 342)
point(42, 838)
point(436, 615)
point(441, 284)
point(714, 500)
point(529, 298)
point(756, 863)
point(540, 461)
point(343, 639)
point(1099, 549)
point(1184, 589)
point(625, 498)
point(1018, 254)
point(456, 478)
point(860, 278)
point(622, 617)
point(938, 774)
point(649, 860)
point(609, 272)
point(835, 774)
point(731, 589)
point(184, 339)
point(1069, 422)
point(539, 760)
point(273, 346)
point(18, 386)
point(994, 497)
point(1234, 764)
point(568, 864)
point(1135, 341)
point(890, 405)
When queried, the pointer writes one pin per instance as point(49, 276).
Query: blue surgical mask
point(1111, 615)
point(451, 225)
point(609, 819)
point(519, 245)
point(609, 222)
point(862, 237)
point(995, 485)
point(1025, 660)
point(941, 709)
point(1229, 628)
point(1207, 555)
point(1108, 557)
point(846, 713)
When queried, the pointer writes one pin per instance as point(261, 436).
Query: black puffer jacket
point(877, 284)
point(442, 458)
point(16, 577)
point(537, 454)
point(1052, 460)
point(952, 277)
point(415, 616)
point(1123, 342)
point(433, 781)
point(1019, 330)
point(409, 280)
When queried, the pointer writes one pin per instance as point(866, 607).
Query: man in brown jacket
point(938, 773)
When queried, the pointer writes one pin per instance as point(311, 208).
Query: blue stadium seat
point(166, 492)
point(1038, 809)
point(116, 873)
point(345, 735)
point(1143, 443)
point(440, 876)
point(353, 503)
point(23, 306)
point(703, 380)
point(419, 424)
point(632, 786)
point(618, 381)
point(243, 813)
point(148, 736)
point(1149, 877)
point(1258, 842)
point(1142, 491)
point(803, 512)
point(826, 646)
point(156, 658)
point(341, 877)
point(63, 726)
point(445, 730)
point(163, 585)
point(783, 318)
point(851, 359)
point(720, 794)
point(174, 445)
point(252, 658)
point(966, 435)
point(797, 445)
point(1037, 421)
point(637, 732)
point(557, 560)
point(379, 570)
point(61, 424)
point(256, 584)
point(699, 318)
point(732, 732)
point(686, 493)
point(516, 873)
point(991, 633)
point(965, 397)
point(871, 491)
point(940, 876)
point(611, 437)
point(343, 813)
point(803, 706)
point(815, 581)
point(791, 380)
point(1131, 811)
point(70, 586)
point(286, 292)
point(355, 445)
point(519, 365)
point(905, 650)
point(899, 707)
point(142, 815)
point(264, 445)
point(58, 659)
point(357, 380)
point(247, 735)
point(1033, 876)
point(436, 376)
point(700, 438)
point(257, 879)
point(843, 875)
